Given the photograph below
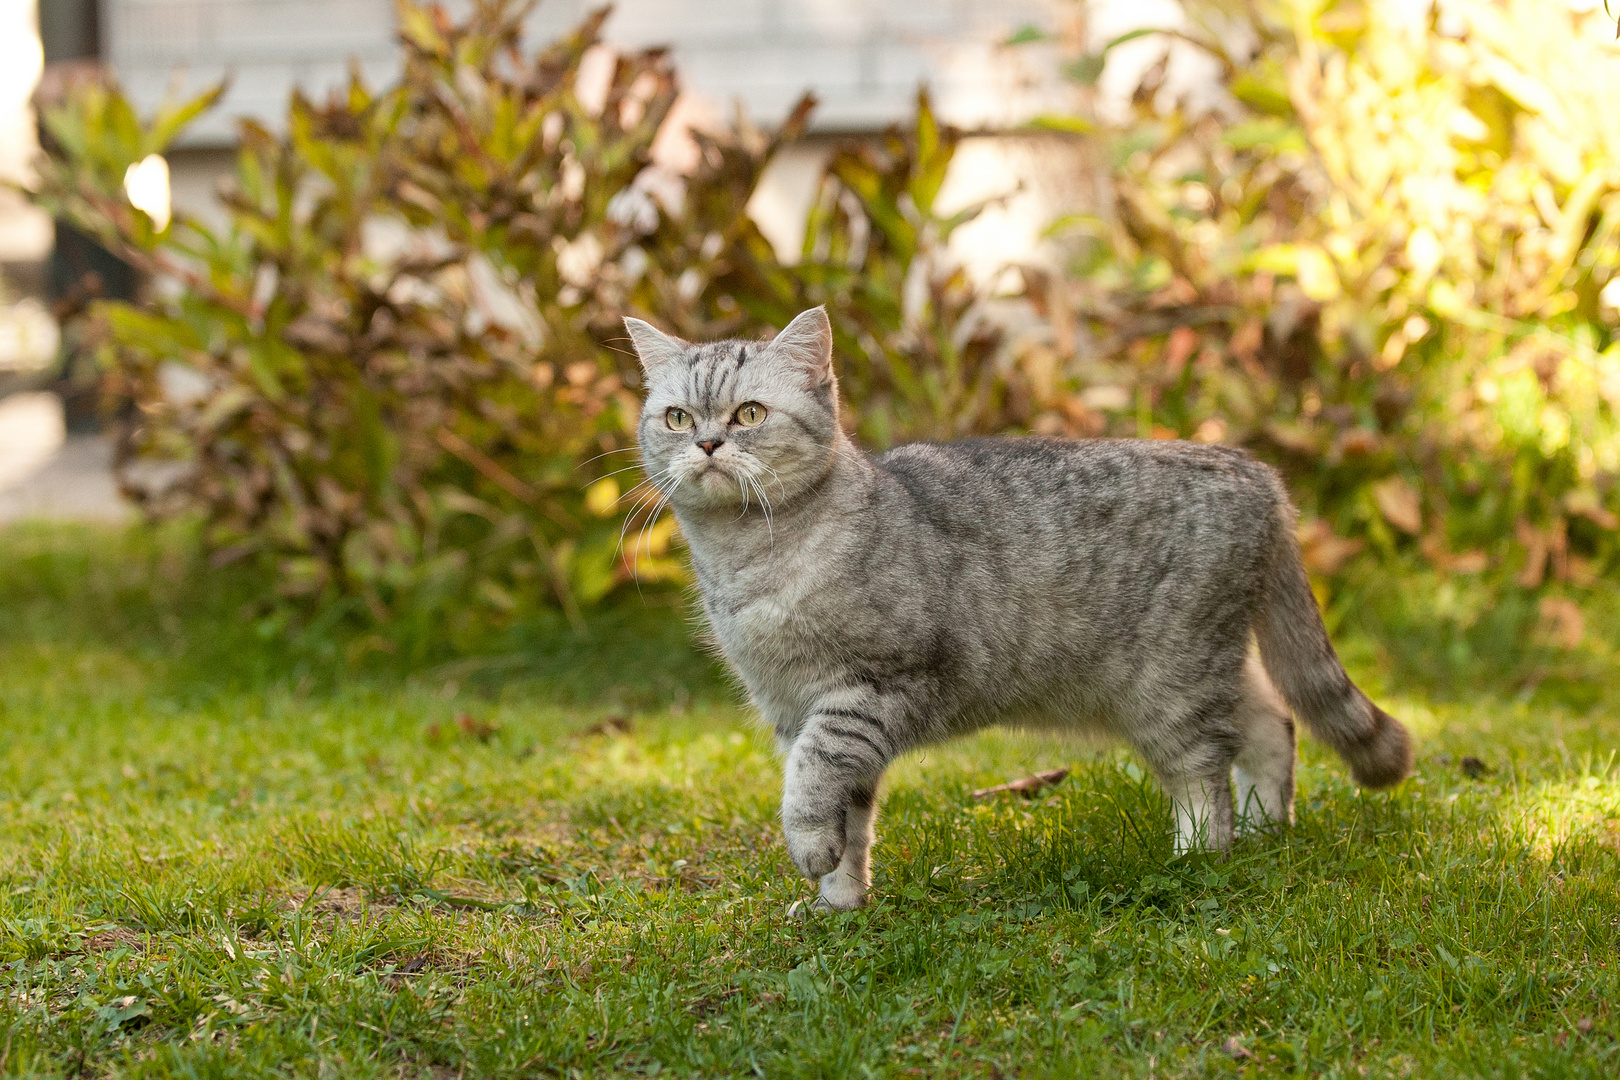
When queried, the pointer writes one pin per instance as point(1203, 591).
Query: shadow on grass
point(148, 597)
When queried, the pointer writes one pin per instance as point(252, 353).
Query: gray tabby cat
point(873, 605)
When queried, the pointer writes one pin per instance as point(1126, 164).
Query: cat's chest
point(768, 618)
point(760, 615)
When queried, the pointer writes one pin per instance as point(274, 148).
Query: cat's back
point(1004, 476)
point(1025, 514)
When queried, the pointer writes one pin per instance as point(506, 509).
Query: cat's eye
point(678, 419)
point(749, 414)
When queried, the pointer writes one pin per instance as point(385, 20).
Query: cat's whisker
point(646, 527)
point(633, 557)
point(765, 505)
point(652, 481)
point(651, 519)
point(605, 453)
point(774, 474)
point(663, 496)
point(616, 472)
point(618, 550)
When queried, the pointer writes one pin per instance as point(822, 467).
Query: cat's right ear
point(807, 341)
point(654, 348)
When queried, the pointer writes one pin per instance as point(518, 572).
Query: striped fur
point(873, 605)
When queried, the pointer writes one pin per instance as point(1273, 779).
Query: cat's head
point(726, 423)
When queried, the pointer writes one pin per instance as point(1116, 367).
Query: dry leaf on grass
point(1027, 786)
point(1236, 1049)
point(482, 730)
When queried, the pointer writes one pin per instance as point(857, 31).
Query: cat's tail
point(1300, 660)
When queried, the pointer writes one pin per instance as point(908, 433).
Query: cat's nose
point(711, 445)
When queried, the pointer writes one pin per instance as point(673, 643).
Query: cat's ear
point(807, 341)
point(654, 348)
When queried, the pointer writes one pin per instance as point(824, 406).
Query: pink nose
point(710, 445)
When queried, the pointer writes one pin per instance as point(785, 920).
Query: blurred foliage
point(374, 374)
point(919, 352)
point(1384, 262)
point(397, 371)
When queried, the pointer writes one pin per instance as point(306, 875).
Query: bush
point(1386, 267)
point(919, 353)
point(396, 372)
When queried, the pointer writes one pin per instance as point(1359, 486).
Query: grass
point(227, 849)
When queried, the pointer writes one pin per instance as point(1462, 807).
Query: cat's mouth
point(712, 472)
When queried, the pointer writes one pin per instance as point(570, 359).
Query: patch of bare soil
point(345, 901)
point(111, 938)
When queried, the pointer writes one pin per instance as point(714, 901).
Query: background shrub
point(1385, 266)
point(397, 374)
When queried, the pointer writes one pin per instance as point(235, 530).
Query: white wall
point(863, 57)
point(25, 233)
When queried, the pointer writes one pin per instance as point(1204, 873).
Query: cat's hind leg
point(1263, 772)
point(1191, 752)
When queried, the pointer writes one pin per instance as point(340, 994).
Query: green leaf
point(1086, 70)
point(1070, 125)
point(1267, 132)
point(1263, 87)
point(1027, 34)
point(1089, 68)
point(171, 121)
point(137, 329)
point(1132, 35)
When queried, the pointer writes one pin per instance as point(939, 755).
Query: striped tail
point(1300, 660)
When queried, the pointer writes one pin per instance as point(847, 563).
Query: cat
point(875, 604)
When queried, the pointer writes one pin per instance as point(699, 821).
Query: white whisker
point(765, 505)
point(651, 480)
point(605, 453)
point(616, 472)
point(662, 497)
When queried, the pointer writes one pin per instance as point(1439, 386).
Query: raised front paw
point(816, 849)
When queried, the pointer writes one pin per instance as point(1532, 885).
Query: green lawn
point(228, 849)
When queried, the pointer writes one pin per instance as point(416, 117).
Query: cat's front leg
point(829, 799)
point(845, 887)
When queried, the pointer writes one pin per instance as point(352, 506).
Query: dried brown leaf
point(1027, 786)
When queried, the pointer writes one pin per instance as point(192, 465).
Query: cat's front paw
point(816, 850)
point(842, 890)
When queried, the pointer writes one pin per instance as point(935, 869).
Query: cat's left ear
point(807, 341)
point(654, 348)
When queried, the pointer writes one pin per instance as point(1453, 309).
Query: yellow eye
point(750, 414)
point(678, 420)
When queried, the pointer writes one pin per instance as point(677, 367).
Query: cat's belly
point(791, 656)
